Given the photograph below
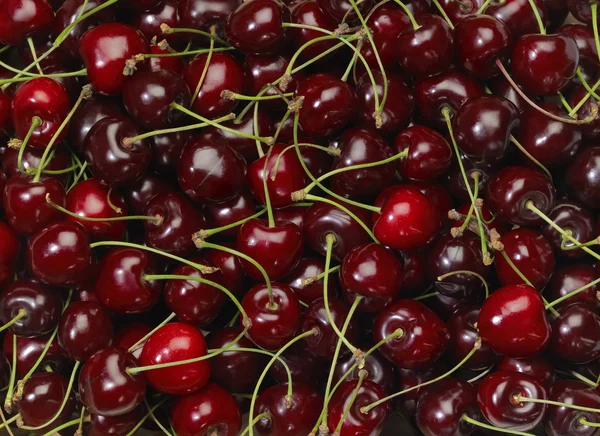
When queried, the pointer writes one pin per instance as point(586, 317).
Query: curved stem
point(265, 176)
point(7, 422)
point(493, 428)
point(58, 172)
point(61, 427)
point(146, 416)
point(585, 85)
point(155, 419)
point(21, 314)
point(169, 30)
point(206, 66)
point(13, 373)
point(78, 73)
point(210, 232)
point(480, 375)
point(565, 247)
point(34, 55)
point(409, 14)
point(151, 332)
point(564, 101)
point(483, 7)
point(467, 220)
point(318, 277)
point(362, 374)
point(255, 421)
point(425, 296)
point(594, 9)
point(473, 273)
point(35, 123)
point(530, 157)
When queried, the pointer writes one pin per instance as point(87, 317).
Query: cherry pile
point(310, 214)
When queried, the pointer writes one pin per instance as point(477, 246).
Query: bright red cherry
point(21, 18)
point(256, 27)
point(429, 155)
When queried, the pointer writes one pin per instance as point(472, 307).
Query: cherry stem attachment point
point(584, 421)
point(318, 277)
point(21, 314)
point(521, 399)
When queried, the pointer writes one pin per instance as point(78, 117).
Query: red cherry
point(310, 13)
point(114, 425)
point(536, 367)
point(234, 274)
point(569, 278)
point(130, 336)
point(256, 27)
point(30, 349)
point(581, 177)
point(576, 334)
point(43, 396)
point(21, 18)
point(304, 367)
point(308, 268)
point(201, 14)
point(381, 370)
point(518, 15)
point(171, 63)
point(563, 420)
point(167, 149)
point(148, 22)
point(463, 334)
point(429, 155)
point(387, 22)
point(88, 114)
point(9, 251)
point(340, 9)
point(229, 211)
point(140, 192)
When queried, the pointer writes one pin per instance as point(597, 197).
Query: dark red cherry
point(104, 50)
point(324, 343)
point(513, 187)
point(425, 336)
point(223, 73)
point(373, 272)
point(563, 420)
point(5, 367)
point(498, 396)
point(110, 159)
point(30, 349)
point(229, 211)
point(455, 181)
point(43, 98)
point(60, 254)
point(304, 367)
point(441, 410)
point(256, 27)
point(30, 161)
point(172, 342)
point(297, 419)
point(518, 15)
point(463, 334)
point(381, 370)
point(415, 271)
point(309, 13)
point(576, 334)
point(439, 195)
point(513, 321)
point(234, 274)
point(21, 18)
point(572, 217)
point(105, 386)
point(5, 121)
point(167, 150)
point(427, 50)
point(42, 306)
point(569, 278)
point(9, 252)
point(408, 220)
point(584, 37)
point(201, 14)
point(130, 335)
point(582, 178)
point(429, 155)
point(212, 409)
point(43, 396)
point(147, 97)
point(88, 114)
point(536, 367)
point(114, 425)
point(544, 64)
point(531, 253)
point(308, 268)
point(210, 170)
point(272, 327)
point(85, 327)
point(328, 106)
point(407, 403)
point(340, 9)
point(121, 286)
point(590, 130)
point(149, 21)
point(293, 214)
point(141, 191)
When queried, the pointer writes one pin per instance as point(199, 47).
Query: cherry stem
point(318, 277)
point(467, 220)
point(167, 30)
point(79, 431)
point(578, 377)
point(202, 268)
point(536, 12)
point(476, 346)
point(473, 273)
point(56, 430)
point(229, 95)
point(362, 374)
point(443, 13)
point(583, 421)
point(585, 84)
point(594, 10)
point(583, 100)
point(78, 73)
point(530, 157)
point(281, 123)
point(521, 399)
point(146, 416)
point(425, 296)
point(7, 422)
point(266, 140)
point(21, 314)
point(409, 14)
point(531, 103)
point(480, 375)
point(16, 70)
point(564, 101)
point(62, 407)
point(63, 171)
point(572, 293)
point(472, 421)
point(194, 279)
point(255, 421)
point(204, 234)
point(353, 60)
point(329, 150)
point(264, 176)
point(206, 65)
point(155, 419)
point(483, 7)
point(311, 332)
point(145, 337)
point(565, 247)
point(34, 55)
point(8, 402)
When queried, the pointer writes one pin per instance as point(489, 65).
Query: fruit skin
point(564, 420)
point(582, 180)
point(20, 18)
point(576, 334)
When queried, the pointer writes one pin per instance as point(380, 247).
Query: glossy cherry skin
point(480, 40)
point(408, 220)
point(329, 105)
point(200, 14)
point(306, 268)
point(518, 15)
point(43, 395)
point(450, 89)
point(234, 274)
point(167, 150)
point(584, 37)
point(31, 160)
point(304, 367)
point(381, 370)
point(21, 18)
point(531, 253)
point(536, 367)
point(455, 181)
point(30, 349)
point(564, 420)
point(572, 217)
point(338, 9)
point(272, 327)
point(89, 198)
point(440, 411)
point(228, 212)
point(88, 114)
point(42, 304)
point(208, 169)
point(172, 342)
point(211, 409)
point(121, 286)
point(223, 73)
point(512, 187)
point(569, 278)
point(429, 155)
point(544, 64)
point(114, 425)
point(165, 11)
point(141, 191)
point(428, 50)
point(130, 335)
point(463, 334)
point(44, 98)
point(551, 142)
point(9, 251)
point(575, 334)
point(425, 336)
point(387, 22)
point(581, 177)
point(513, 321)
point(357, 422)
point(323, 344)
point(104, 385)
point(298, 419)
point(256, 27)
point(172, 63)
point(147, 97)
point(109, 159)
point(104, 50)
point(373, 272)
point(290, 176)
point(311, 14)
point(84, 328)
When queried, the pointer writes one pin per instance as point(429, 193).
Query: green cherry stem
point(8, 402)
point(34, 55)
point(530, 157)
point(565, 247)
point(585, 98)
point(229, 95)
point(313, 279)
point(206, 65)
point(362, 374)
point(480, 375)
point(536, 12)
point(425, 296)
point(564, 101)
point(475, 176)
point(472, 421)
point(409, 14)
point(329, 150)
point(521, 399)
point(579, 377)
point(151, 332)
point(205, 234)
point(146, 416)
point(265, 175)
point(594, 9)
point(79, 431)
point(35, 123)
point(353, 60)
point(167, 30)
point(585, 84)
point(78, 73)
point(144, 56)
point(21, 314)
point(60, 428)
point(257, 418)
point(443, 13)
point(155, 419)
point(572, 293)
point(483, 7)
point(7, 422)
point(584, 421)
point(473, 273)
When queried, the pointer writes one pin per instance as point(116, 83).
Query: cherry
point(427, 50)
point(130, 335)
point(171, 63)
point(429, 155)
point(339, 9)
point(455, 181)
point(105, 386)
point(323, 345)
point(149, 21)
point(171, 343)
point(424, 339)
point(415, 271)
point(531, 254)
point(439, 196)
point(9, 251)
point(387, 22)
point(518, 15)
point(30, 349)
point(310, 13)
point(328, 106)
point(223, 73)
point(581, 177)
point(88, 114)
point(104, 50)
point(43, 396)
point(211, 410)
point(208, 169)
point(441, 410)
point(234, 274)
point(371, 271)
point(293, 214)
point(463, 334)
point(41, 307)
point(536, 367)
point(114, 425)
point(21, 18)
point(277, 248)
point(229, 211)
point(60, 254)
point(584, 37)
point(201, 14)
point(572, 217)
point(408, 220)
point(569, 278)
point(591, 130)
point(576, 334)
point(498, 397)
point(381, 370)
point(562, 420)
point(148, 95)
point(167, 150)
point(121, 286)
point(256, 27)
point(307, 269)
point(304, 367)
point(112, 160)
point(141, 191)
point(513, 187)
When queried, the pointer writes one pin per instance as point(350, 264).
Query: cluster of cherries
point(318, 213)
